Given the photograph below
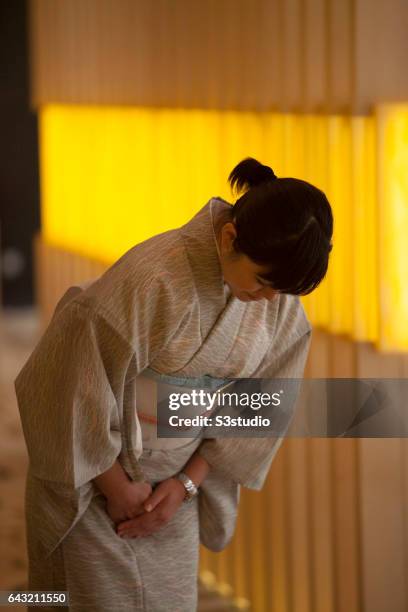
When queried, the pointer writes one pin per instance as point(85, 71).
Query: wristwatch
point(190, 487)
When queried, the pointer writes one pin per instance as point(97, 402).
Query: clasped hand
point(141, 512)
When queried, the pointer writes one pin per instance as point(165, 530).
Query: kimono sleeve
point(68, 395)
point(247, 460)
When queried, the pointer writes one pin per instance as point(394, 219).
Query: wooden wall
point(297, 55)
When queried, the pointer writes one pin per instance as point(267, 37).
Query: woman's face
point(242, 275)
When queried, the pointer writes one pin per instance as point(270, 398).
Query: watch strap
point(190, 487)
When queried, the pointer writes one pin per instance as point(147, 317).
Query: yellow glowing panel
point(393, 225)
point(316, 159)
point(273, 142)
point(340, 196)
point(114, 176)
point(293, 145)
point(365, 220)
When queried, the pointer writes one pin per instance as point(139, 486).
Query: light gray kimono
point(161, 306)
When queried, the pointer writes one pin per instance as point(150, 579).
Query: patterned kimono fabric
point(161, 310)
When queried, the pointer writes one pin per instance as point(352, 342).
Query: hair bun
point(250, 173)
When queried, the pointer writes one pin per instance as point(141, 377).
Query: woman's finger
point(137, 523)
point(155, 498)
point(138, 530)
point(126, 524)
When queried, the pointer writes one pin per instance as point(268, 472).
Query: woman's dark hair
point(285, 224)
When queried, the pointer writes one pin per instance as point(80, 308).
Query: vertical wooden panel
point(253, 39)
point(277, 537)
point(321, 502)
point(198, 41)
point(292, 61)
point(405, 483)
point(382, 479)
point(318, 363)
point(346, 526)
point(315, 55)
point(230, 577)
point(347, 557)
point(55, 271)
point(382, 525)
point(340, 44)
point(299, 519)
point(258, 521)
point(228, 54)
point(211, 48)
point(242, 558)
point(370, 363)
point(270, 60)
point(404, 458)
point(320, 499)
point(381, 49)
point(223, 573)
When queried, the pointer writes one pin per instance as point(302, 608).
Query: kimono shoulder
point(148, 294)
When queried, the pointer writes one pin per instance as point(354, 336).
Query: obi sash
point(152, 391)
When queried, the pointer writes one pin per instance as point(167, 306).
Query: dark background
point(19, 184)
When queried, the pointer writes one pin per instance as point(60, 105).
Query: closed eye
point(263, 282)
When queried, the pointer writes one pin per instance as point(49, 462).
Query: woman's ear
point(228, 235)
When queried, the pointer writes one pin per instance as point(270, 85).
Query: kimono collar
point(202, 251)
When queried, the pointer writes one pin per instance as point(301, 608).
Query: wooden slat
point(292, 60)
point(241, 560)
point(340, 40)
point(315, 56)
point(299, 519)
point(270, 57)
point(381, 49)
point(346, 542)
point(276, 538)
point(383, 519)
point(258, 522)
point(321, 513)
